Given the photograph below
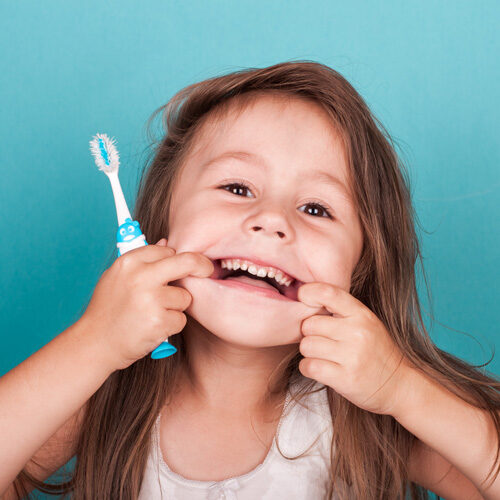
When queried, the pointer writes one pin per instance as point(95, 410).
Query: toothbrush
point(129, 235)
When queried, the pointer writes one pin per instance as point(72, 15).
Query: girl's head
point(286, 165)
point(267, 179)
point(297, 135)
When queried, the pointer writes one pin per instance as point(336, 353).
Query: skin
point(232, 349)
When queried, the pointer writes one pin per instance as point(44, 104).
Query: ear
point(135, 223)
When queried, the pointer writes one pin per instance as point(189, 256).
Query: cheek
point(191, 229)
point(335, 268)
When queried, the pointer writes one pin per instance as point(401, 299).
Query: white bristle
point(105, 153)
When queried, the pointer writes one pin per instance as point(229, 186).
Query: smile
point(267, 288)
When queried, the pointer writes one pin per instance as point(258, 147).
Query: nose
point(271, 222)
point(281, 234)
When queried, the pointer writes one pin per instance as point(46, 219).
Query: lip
point(245, 287)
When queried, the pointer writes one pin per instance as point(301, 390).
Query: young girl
point(304, 370)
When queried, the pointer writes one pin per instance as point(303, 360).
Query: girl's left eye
point(244, 186)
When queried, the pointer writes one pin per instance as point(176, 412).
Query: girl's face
point(281, 149)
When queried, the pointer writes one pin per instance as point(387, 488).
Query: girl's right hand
point(133, 309)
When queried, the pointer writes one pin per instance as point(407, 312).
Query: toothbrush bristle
point(105, 153)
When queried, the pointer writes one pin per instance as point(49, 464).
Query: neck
point(229, 378)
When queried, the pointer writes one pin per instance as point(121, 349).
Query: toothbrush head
point(105, 153)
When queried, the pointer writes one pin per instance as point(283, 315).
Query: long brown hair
point(372, 451)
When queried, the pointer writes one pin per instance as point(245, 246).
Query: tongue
point(254, 282)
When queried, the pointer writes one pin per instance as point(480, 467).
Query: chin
point(252, 322)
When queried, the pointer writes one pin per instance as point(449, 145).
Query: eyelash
point(242, 184)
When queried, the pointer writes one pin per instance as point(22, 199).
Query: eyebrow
point(256, 159)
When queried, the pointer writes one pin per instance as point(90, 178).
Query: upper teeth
point(252, 268)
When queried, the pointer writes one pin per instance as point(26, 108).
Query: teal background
point(428, 70)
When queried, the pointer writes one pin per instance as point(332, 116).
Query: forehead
point(285, 130)
point(271, 122)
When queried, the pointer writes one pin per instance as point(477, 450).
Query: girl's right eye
point(244, 186)
point(238, 184)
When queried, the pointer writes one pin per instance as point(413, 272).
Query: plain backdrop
point(428, 69)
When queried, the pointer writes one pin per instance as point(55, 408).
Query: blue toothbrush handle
point(130, 227)
point(164, 350)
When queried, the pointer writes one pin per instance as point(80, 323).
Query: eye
point(131, 229)
point(122, 231)
point(312, 204)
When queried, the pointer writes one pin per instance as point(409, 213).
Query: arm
point(55, 453)
point(430, 470)
point(40, 394)
point(461, 434)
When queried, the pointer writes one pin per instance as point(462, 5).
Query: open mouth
point(290, 291)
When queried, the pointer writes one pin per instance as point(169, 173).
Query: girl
point(267, 179)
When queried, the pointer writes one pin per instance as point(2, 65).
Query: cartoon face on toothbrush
point(129, 236)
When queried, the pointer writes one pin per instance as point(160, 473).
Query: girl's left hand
point(351, 351)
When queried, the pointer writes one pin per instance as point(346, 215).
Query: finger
point(176, 321)
point(175, 297)
point(326, 326)
point(150, 253)
point(333, 298)
point(179, 266)
point(325, 372)
point(320, 348)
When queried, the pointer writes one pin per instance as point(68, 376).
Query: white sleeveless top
point(275, 478)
